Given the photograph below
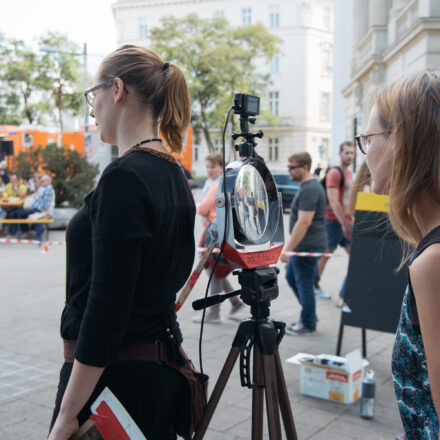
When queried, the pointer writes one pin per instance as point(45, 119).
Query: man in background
point(15, 187)
point(307, 234)
point(338, 220)
point(43, 203)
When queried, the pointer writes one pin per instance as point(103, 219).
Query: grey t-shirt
point(310, 197)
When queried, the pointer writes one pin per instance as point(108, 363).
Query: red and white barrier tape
point(215, 251)
point(20, 241)
point(290, 254)
point(311, 254)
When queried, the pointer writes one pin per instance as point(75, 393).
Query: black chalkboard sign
point(374, 289)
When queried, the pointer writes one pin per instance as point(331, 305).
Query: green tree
point(60, 73)
point(218, 60)
point(20, 76)
point(72, 176)
point(9, 99)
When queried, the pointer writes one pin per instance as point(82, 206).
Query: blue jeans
point(300, 274)
point(342, 291)
point(21, 213)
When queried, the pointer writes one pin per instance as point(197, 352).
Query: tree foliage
point(218, 60)
point(72, 176)
point(39, 86)
point(21, 74)
point(59, 74)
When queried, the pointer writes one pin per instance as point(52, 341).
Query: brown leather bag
point(190, 408)
point(195, 398)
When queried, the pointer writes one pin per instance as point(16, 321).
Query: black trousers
point(148, 391)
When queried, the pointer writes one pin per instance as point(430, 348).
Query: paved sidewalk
point(31, 300)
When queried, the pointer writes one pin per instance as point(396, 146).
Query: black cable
point(221, 248)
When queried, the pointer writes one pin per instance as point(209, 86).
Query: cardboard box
point(331, 377)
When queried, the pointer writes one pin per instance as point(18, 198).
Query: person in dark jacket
point(130, 248)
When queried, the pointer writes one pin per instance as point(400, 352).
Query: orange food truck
point(94, 150)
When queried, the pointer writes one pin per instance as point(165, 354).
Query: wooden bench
point(24, 221)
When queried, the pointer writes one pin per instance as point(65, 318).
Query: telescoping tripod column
point(263, 336)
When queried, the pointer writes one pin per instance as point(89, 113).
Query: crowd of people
point(29, 199)
point(321, 219)
point(131, 247)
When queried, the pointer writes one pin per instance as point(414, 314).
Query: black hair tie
point(165, 67)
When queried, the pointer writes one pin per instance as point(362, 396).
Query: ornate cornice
point(134, 4)
point(422, 26)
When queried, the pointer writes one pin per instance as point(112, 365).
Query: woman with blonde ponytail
point(130, 248)
point(402, 144)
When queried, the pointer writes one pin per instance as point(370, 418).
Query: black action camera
point(246, 105)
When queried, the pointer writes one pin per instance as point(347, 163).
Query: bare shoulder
point(426, 268)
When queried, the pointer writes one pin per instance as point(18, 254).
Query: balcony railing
point(373, 43)
point(406, 19)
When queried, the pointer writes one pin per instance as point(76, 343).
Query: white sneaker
point(214, 319)
point(319, 294)
point(298, 329)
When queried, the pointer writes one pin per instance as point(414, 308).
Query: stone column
point(360, 21)
point(378, 13)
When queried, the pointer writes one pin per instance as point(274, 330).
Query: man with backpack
point(338, 182)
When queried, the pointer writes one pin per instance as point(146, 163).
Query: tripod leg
point(273, 415)
point(340, 335)
point(217, 392)
point(286, 410)
point(257, 396)
point(364, 343)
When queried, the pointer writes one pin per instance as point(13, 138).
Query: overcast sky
point(83, 21)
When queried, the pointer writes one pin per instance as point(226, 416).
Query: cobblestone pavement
point(31, 300)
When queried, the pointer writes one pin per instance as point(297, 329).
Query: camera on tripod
point(246, 105)
point(249, 229)
point(253, 224)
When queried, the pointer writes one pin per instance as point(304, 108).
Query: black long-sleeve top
point(130, 248)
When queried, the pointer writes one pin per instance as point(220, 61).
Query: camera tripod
point(262, 335)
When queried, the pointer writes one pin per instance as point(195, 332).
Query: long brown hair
point(410, 110)
point(158, 84)
point(363, 178)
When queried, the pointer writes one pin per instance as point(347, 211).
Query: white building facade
point(390, 38)
point(300, 89)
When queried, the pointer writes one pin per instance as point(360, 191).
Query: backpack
point(323, 181)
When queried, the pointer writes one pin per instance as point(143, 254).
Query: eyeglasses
point(90, 93)
point(363, 140)
point(292, 167)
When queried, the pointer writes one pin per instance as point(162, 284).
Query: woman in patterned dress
point(402, 143)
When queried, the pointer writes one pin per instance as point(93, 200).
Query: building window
point(327, 66)
point(325, 106)
point(143, 28)
point(275, 64)
point(219, 13)
point(28, 139)
point(273, 149)
point(246, 16)
point(326, 18)
point(323, 148)
point(274, 16)
point(274, 103)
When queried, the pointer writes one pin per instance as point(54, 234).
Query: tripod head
point(259, 287)
point(248, 107)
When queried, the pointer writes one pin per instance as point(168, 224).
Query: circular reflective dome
point(251, 203)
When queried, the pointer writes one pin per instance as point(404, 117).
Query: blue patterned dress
point(409, 367)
